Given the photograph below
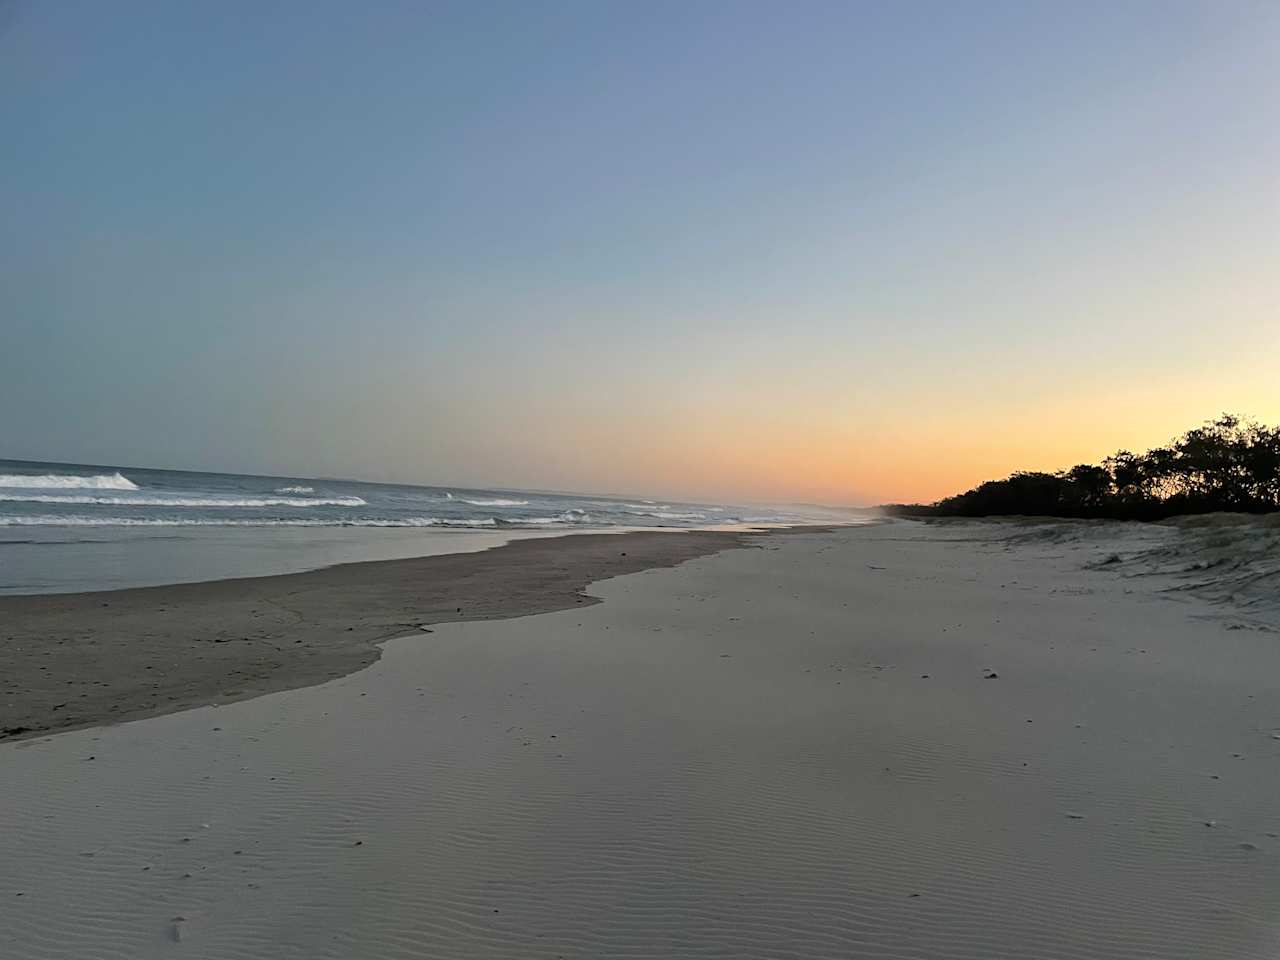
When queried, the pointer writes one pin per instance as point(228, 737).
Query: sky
point(840, 253)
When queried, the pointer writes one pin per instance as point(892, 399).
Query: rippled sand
point(900, 741)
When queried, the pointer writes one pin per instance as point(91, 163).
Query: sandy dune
point(904, 741)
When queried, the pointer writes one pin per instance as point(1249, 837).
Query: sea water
point(88, 527)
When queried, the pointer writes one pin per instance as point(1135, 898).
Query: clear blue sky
point(838, 251)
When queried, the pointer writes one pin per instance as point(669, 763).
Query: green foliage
point(1228, 464)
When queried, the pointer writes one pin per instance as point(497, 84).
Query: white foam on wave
point(155, 501)
point(63, 481)
point(669, 514)
point(497, 503)
point(48, 520)
point(56, 521)
point(569, 516)
point(421, 522)
point(295, 490)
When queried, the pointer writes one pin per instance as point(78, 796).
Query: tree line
point(1231, 463)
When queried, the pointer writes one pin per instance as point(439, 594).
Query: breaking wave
point(669, 514)
point(40, 521)
point(495, 503)
point(567, 518)
point(62, 481)
point(146, 501)
point(295, 489)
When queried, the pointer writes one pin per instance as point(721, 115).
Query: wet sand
point(71, 660)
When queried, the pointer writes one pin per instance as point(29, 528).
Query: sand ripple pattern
point(717, 762)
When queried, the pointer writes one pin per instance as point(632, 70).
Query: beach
point(966, 739)
point(624, 482)
point(74, 659)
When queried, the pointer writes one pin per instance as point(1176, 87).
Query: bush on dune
point(1229, 464)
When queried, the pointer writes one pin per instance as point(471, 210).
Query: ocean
point(66, 527)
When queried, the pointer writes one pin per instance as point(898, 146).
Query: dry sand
point(903, 741)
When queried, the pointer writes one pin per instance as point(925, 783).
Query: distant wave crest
point(496, 503)
point(295, 490)
point(481, 523)
point(60, 521)
point(146, 501)
point(569, 516)
point(669, 514)
point(63, 481)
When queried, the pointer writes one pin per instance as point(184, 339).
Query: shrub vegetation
point(1230, 463)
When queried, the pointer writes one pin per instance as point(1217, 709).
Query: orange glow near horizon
point(920, 455)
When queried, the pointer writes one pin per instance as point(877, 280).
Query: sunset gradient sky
point(842, 252)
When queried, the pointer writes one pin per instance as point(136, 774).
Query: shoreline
point(74, 660)
point(59, 560)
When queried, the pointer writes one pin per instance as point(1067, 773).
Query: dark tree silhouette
point(1228, 464)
